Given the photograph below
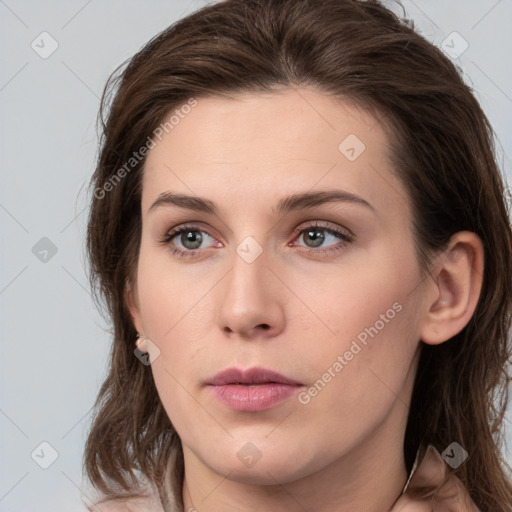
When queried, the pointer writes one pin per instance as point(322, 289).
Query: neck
point(367, 479)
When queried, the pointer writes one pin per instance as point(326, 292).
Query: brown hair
point(442, 150)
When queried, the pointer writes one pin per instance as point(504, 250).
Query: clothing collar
point(420, 453)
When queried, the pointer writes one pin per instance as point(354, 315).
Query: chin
point(263, 473)
point(261, 463)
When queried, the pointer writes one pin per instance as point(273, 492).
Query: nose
point(251, 300)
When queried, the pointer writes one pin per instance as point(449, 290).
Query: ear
point(455, 287)
point(132, 303)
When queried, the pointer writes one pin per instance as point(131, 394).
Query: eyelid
point(174, 232)
point(327, 226)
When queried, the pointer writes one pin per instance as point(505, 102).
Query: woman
point(299, 229)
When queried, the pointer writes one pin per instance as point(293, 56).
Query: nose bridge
point(247, 281)
point(249, 300)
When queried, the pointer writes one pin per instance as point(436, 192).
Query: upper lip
point(256, 375)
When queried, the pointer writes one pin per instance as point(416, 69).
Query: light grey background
point(54, 343)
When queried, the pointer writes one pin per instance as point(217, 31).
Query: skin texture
point(294, 309)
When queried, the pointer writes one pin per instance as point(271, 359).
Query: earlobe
point(456, 283)
point(141, 343)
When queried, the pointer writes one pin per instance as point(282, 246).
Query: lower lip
point(258, 397)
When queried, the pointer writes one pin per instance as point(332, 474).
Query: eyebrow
point(287, 204)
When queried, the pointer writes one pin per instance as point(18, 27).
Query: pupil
point(316, 240)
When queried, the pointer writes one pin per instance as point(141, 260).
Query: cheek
point(369, 305)
point(363, 364)
point(376, 339)
point(170, 300)
point(174, 319)
point(355, 386)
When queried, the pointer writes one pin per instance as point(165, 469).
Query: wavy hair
point(442, 149)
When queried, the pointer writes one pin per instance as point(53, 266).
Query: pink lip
point(252, 390)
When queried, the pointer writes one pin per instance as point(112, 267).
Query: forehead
point(263, 145)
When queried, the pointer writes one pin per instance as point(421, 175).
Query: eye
point(190, 238)
point(316, 234)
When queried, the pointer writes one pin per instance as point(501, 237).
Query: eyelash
point(169, 236)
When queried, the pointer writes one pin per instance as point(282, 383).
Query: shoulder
point(142, 504)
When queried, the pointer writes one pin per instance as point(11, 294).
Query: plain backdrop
point(54, 343)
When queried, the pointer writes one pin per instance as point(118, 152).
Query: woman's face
point(298, 259)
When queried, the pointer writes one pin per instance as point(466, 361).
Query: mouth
point(252, 390)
